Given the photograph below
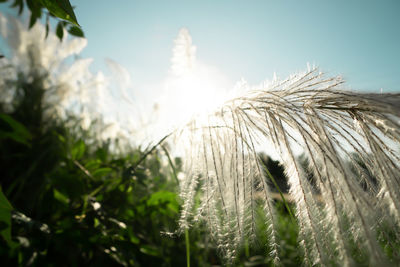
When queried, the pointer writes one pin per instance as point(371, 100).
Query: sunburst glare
point(191, 88)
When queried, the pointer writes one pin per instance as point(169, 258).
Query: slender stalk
point(280, 192)
point(171, 164)
point(144, 156)
point(187, 243)
point(246, 248)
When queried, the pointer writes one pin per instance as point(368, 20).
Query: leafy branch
point(60, 10)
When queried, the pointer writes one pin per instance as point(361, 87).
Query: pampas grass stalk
point(351, 142)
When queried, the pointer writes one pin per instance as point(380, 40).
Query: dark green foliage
point(76, 31)
point(5, 220)
point(60, 10)
point(75, 202)
point(78, 206)
point(60, 30)
point(16, 131)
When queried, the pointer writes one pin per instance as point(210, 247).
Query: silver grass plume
point(351, 141)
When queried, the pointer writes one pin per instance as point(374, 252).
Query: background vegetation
point(70, 199)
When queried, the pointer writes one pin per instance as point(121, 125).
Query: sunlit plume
point(350, 140)
point(191, 88)
point(184, 54)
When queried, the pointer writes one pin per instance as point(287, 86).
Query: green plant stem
point(246, 248)
point(171, 164)
point(280, 192)
point(150, 150)
point(187, 242)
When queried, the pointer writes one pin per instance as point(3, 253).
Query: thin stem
point(187, 243)
point(280, 192)
point(171, 164)
point(150, 150)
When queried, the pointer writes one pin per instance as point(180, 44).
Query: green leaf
point(96, 222)
point(32, 20)
point(102, 154)
point(16, 126)
point(19, 132)
point(5, 218)
point(4, 204)
point(20, 4)
point(78, 150)
point(101, 172)
point(61, 9)
point(134, 240)
point(36, 11)
point(164, 197)
point(60, 138)
point(149, 250)
point(47, 26)
point(93, 164)
point(60, 197)
point(76, 31)
point(60, 30)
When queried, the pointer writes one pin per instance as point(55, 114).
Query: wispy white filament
point(350, 140)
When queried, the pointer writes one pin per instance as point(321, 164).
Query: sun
point(192, 88)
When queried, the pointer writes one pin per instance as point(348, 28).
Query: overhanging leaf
point(20, 5)
point(61, 9)
point(60, 30)
point(76, 31)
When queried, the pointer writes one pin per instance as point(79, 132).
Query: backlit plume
point(351, 143)
point(184, 54)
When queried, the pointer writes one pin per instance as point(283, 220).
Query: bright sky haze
point(149, 44)
point(359, 40)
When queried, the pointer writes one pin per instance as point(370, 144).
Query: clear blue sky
point(358, 39)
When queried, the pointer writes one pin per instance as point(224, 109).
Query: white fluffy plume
point(351, 141)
